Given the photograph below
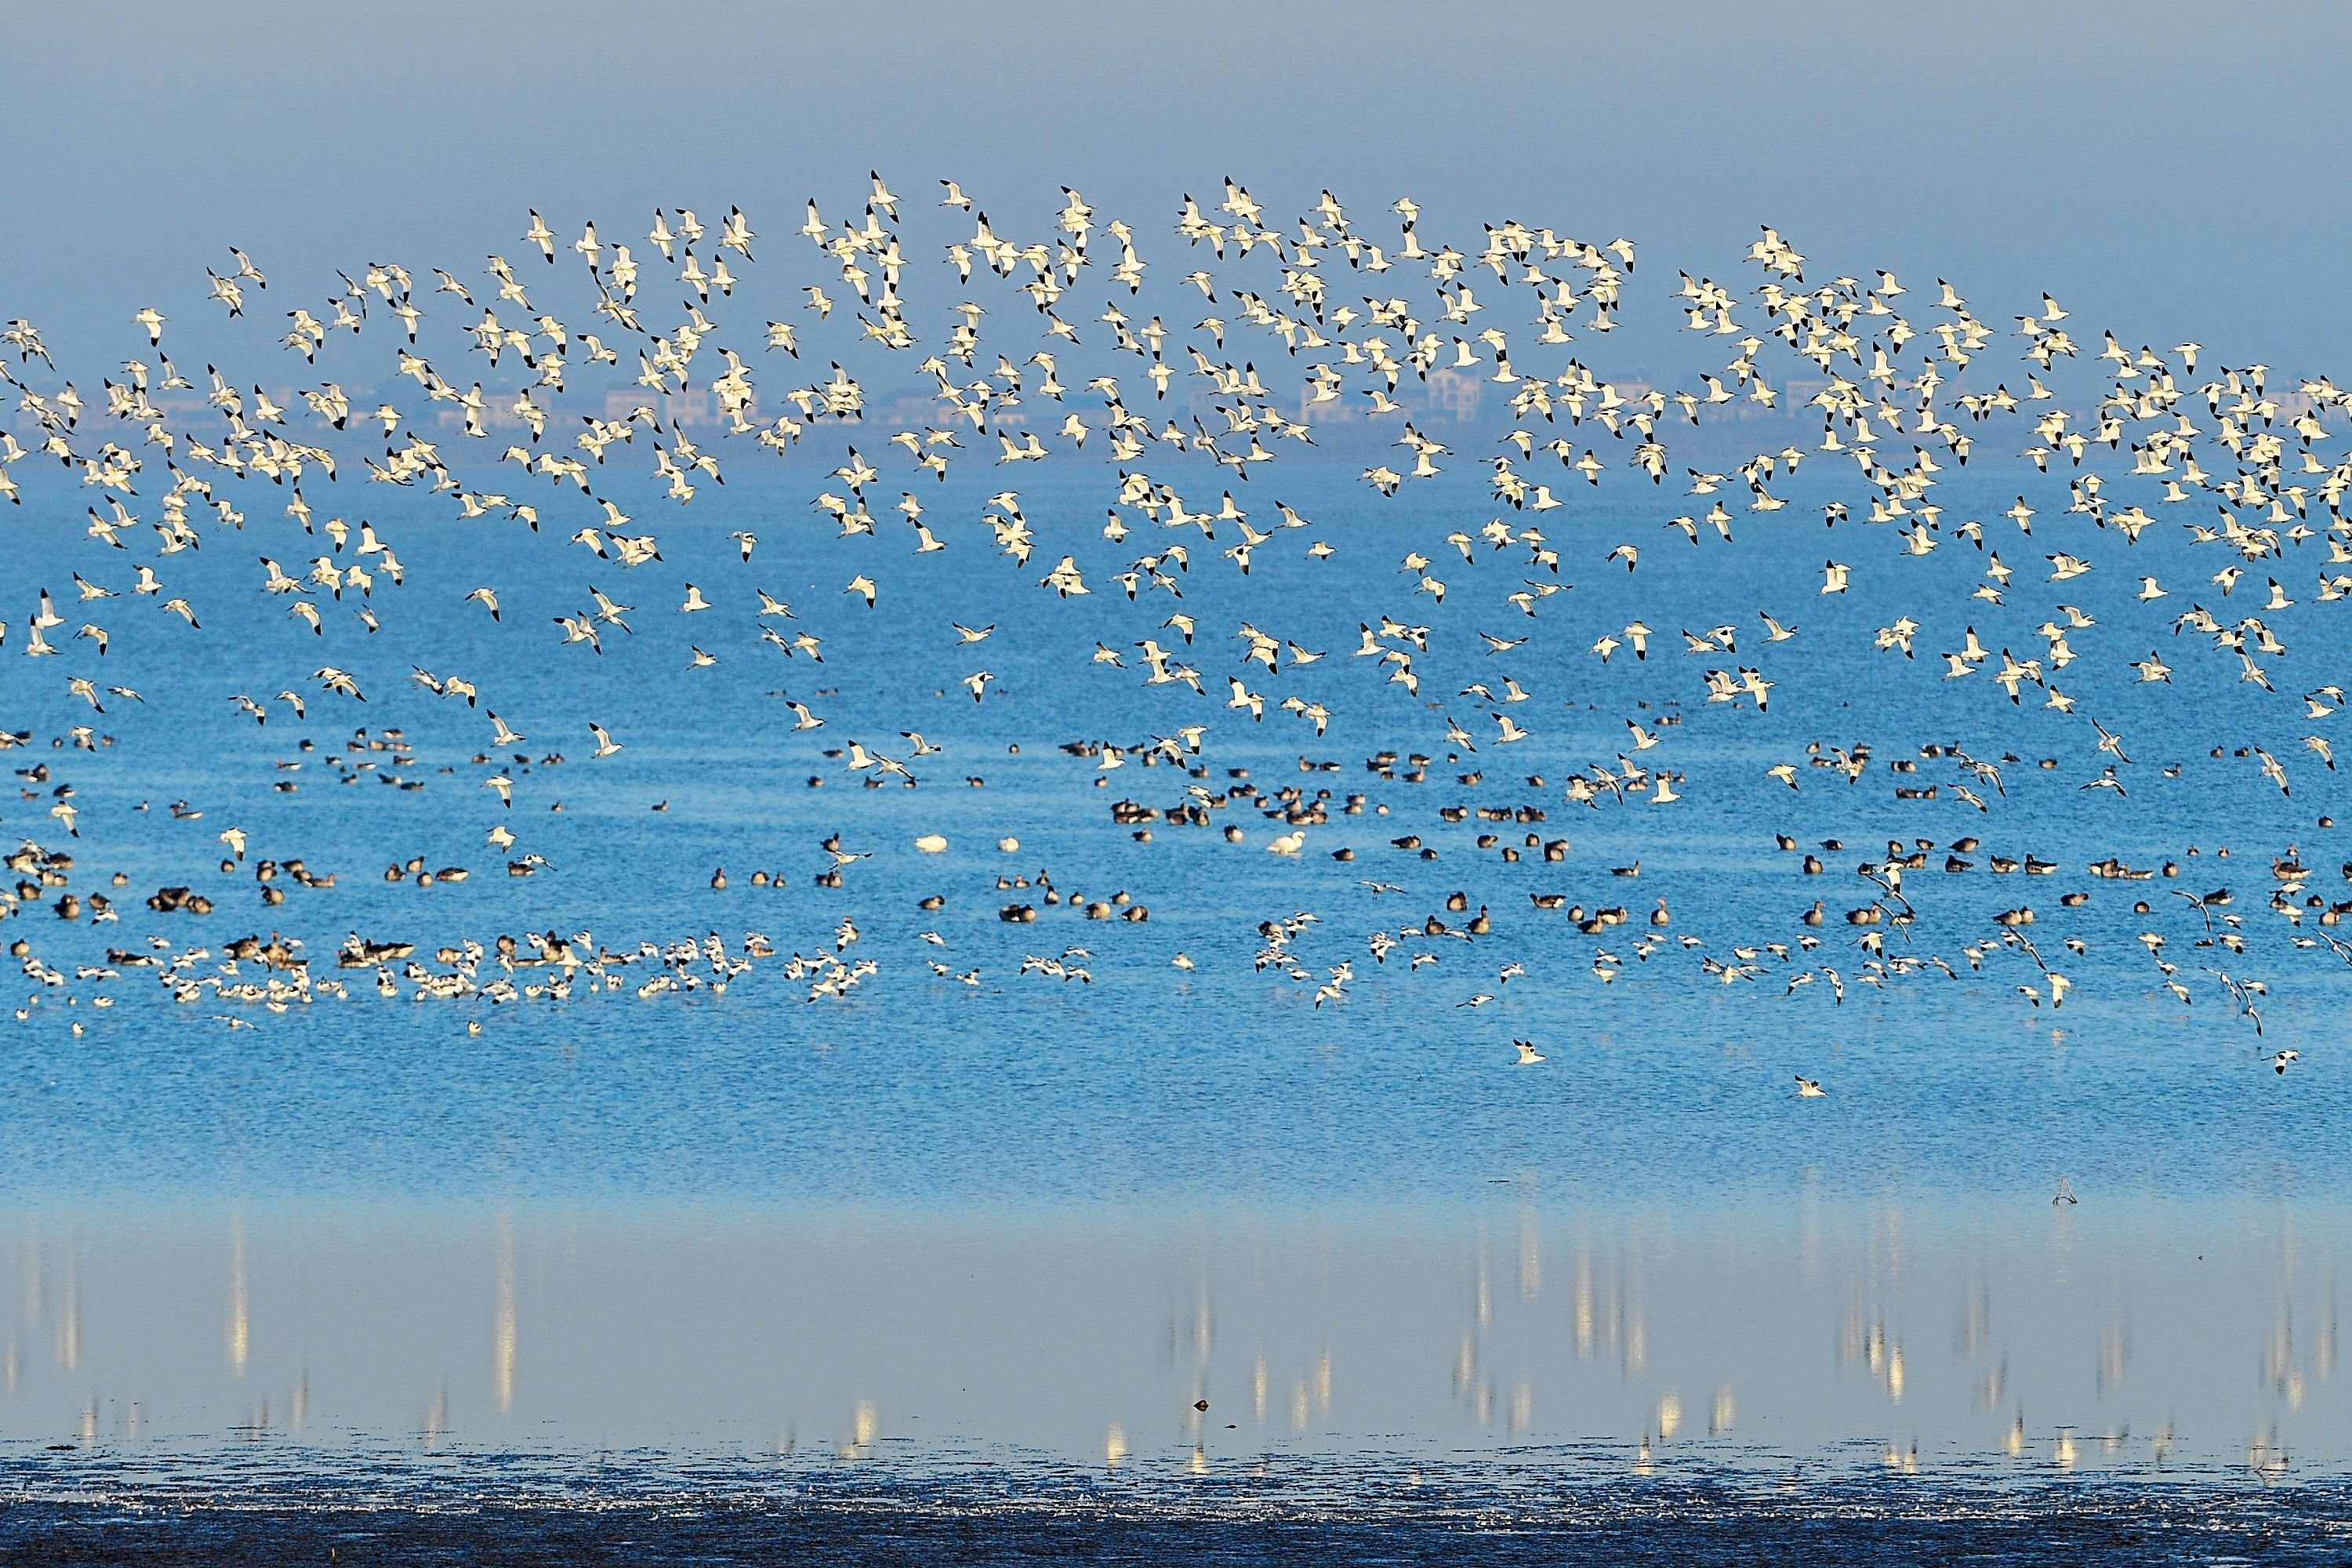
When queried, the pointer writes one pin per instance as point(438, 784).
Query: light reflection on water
point(2047, 1339)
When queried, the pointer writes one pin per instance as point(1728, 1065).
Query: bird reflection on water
point(1202, 1344)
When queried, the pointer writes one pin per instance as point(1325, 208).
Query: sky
point(2168, 170)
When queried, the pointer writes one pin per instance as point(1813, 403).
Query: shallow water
point(649, 1507)
point(761, 1269)
point(1220, 1084)
point(2035, 1338)
point(1511, 1383)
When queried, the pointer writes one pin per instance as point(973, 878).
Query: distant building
point(917, 410)
point(692, 406)
point(1453, 393)
point(1797, 393)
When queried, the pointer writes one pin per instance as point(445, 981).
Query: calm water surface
point(1823, 1336)
point(1149, 1084)
point(1017, 1229)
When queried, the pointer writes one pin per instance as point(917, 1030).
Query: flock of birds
point(459, 388)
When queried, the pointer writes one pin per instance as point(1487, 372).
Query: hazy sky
point(2168, 170)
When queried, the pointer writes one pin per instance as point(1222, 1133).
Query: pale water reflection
point(2045, 1337)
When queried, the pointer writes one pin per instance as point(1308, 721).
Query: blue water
point(1152, 1085)
point(1075, 1235)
